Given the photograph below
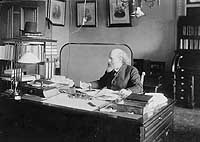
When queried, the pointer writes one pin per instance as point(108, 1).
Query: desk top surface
point(90, 107)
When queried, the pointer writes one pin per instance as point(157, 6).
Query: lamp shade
point(29, 58)
point(138, 12)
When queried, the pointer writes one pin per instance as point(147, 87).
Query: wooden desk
point(90, 126)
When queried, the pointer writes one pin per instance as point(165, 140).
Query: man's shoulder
point(130, 67)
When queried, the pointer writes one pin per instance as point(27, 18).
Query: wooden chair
point(153, 72)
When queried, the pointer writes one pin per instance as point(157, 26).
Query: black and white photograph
point(99, 70)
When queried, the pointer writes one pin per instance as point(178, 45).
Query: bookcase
point(187, 8)
point(186, 63)
point(45, 49)
point(188, 33)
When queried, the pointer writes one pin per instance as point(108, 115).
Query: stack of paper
point(62, 80)
point(63, 100)
point(157, 101)
point(89, 92)
point(108, 95)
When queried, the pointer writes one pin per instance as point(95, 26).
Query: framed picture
point(119, 13)
point(86, 14)
point(193, 1)
point(56, 12)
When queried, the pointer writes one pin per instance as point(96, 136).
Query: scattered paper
point(107, 95)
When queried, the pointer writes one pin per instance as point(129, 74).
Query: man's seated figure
point(119, 75)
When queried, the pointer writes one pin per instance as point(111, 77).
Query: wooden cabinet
point(186, 63)
point(14, 15)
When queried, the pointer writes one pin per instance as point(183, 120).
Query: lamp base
point(17, 97)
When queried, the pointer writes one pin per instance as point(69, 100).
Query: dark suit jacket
point(126, 78)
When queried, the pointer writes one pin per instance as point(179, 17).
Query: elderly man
point(118, 75)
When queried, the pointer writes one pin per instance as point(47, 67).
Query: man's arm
point(102, 81)
point(98, 84)
point(135, 84)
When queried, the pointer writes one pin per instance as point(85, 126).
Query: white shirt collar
point(117, 69)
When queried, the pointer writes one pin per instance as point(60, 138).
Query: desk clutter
point(61, 91)
point(104, 100)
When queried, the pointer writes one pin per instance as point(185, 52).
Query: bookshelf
point(188, 33)
point(186, 63)
point(46, 52)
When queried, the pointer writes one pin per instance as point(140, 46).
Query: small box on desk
point(44, 92)
point(134, 103)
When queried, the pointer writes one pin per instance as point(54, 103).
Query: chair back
point(142, 77)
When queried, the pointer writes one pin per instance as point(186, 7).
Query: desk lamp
point(27, 58)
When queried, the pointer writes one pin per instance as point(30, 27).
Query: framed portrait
point(56, 12)
point(119, 13)
point(86, 14)
point(193, 1)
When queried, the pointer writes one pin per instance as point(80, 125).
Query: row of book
point(190, 44)
point(7, 52)
point(191, 30)
point(51, 52)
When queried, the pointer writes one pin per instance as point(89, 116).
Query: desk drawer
point(162, 123)
point(158, 130)
point(156, 119)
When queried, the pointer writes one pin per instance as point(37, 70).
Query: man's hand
point(125, 92)
point(85, 85)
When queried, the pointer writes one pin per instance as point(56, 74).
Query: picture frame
point(86, 14)
point(56, 12)
point(193, 1)
point(119, 13)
